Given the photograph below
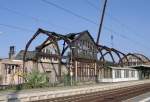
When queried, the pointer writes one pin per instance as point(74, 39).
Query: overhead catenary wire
point(89, 20)
point(18, 13)
point(121, 24)
point(91, 4)
point(117, 21)
point(36, 19)
point(69, 11)
point(31, 17)
point(16, 27)
point(129, 39)
point(127, 27)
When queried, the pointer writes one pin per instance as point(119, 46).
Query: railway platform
point(76, 93)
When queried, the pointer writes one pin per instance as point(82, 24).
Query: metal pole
point(71, 74)
point(101, 22)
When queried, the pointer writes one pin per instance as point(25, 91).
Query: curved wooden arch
point(120, 59)
point(64, 49)
point(148, 60)
point(118, 54)
point(130, 54)
point(108, 52)
point(100, 51)
point(102, 56)
point(51, 35)
point(101, 48)
point(39, 48)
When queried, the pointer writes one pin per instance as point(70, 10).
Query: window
point(46, 50)
point(43, 50)
point(55, 58)
point(126, 73)
point(83, 42)
point(107, 73)
point(9, 68)
point(132, 73)
point(9, 71)
point(86, 52)
point(118, 73)
point(87, 44)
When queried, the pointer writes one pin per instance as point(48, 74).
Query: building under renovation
point(84, 60)
point(80, 57)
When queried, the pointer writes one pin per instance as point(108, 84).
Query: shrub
point(36, 79)
point(0, 78)
point(67, 80)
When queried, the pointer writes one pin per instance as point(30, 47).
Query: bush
point(0, 78)
point(36, 79)
point(67, 80)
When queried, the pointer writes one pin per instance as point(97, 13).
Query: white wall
point(113, 79)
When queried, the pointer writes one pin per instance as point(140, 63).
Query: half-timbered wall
point(85, 50)
point(85, 71)
point(79, 55)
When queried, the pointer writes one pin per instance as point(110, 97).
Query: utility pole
point(101, 22)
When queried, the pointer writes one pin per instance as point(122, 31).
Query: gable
point(85, 46)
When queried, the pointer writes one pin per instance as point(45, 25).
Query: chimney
point(11, 52)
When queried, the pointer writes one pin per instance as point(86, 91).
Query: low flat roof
point(122, 68)
point(11, 61)
point(139, 66)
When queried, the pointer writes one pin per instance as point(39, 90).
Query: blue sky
point(127, 20)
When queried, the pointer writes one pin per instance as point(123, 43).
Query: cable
point(126, 27)
point(68, 11)
point(18, 13)
point(127, 38)
point(116, 20)
point(30, 17)
point(91, 4)
point(16, 27)
point(64, 9)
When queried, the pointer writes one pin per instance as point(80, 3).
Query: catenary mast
point(101, 22)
